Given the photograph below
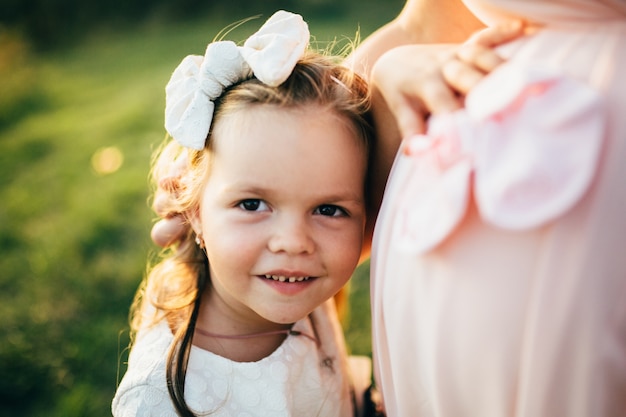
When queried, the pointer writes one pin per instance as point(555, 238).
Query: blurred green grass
point(74, 242)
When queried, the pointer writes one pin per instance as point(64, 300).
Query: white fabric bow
point(270, 54)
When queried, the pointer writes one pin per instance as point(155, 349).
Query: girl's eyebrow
point(342, 196)
point(244, 187)
point(347, 197)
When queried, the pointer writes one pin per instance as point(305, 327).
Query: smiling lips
point(283, 278)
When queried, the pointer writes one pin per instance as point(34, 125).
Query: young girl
point(239, 319)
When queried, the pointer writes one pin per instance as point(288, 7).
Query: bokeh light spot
point(107, 160)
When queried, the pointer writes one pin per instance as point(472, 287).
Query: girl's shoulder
point(144, 386)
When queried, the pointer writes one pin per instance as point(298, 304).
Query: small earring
point(199, 240)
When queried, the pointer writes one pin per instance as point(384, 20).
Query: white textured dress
point(499, 256)
point(298, 379)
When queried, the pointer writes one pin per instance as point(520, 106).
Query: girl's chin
point(286, 316)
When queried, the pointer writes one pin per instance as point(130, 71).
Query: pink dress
point(499, 257)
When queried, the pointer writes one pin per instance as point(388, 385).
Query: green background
point(74, 241)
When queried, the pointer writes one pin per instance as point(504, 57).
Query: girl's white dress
point(298, 379)
point(499, 257)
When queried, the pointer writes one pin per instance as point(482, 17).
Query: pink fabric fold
point(556, 13)
point(520, 178)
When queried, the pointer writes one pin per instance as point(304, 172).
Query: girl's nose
point(292, 236)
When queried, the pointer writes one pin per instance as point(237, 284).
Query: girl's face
point(282, 212)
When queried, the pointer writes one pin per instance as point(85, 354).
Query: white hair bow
point(270, 54)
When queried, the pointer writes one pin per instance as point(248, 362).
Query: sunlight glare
point(107, 160)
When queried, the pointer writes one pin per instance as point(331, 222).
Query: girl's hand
point(418, 80)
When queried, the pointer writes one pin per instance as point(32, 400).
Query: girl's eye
point(252, 205)
point(330, 210)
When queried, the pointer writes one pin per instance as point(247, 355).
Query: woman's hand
point(415, 81)
point(171, 228)
point(409, 83)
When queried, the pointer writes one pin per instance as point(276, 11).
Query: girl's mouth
point(283, 278)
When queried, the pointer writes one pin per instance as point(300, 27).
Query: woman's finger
point(165, 232)
point(477, 58)
point(410, 121)
point(461, 76)
point(481, 57)
point(438, 97)
point(162, 204)
point(498, 35)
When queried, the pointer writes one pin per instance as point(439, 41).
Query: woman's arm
point(419, 22)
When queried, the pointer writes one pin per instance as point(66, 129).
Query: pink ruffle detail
point(528, 142)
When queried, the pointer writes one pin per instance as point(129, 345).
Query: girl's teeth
point(282, 278)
